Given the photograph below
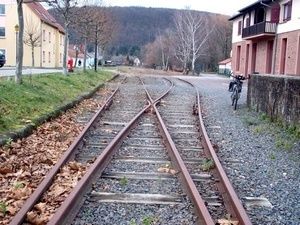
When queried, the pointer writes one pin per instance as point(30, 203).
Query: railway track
point(148, 163)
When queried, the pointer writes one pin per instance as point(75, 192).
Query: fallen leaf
point(6, 168)
point(227, 222)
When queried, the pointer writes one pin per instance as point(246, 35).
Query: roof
point(72, 52)
point(44, 15)
point(225, 61)
point(250, 7)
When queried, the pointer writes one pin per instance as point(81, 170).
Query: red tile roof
point(44, 15)
point(224, 62)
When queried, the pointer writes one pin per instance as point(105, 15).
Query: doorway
point(259, 15)
point(247, 59)
point(270, 45)
point(253, 60)
point(298, 57)
point(283, 56)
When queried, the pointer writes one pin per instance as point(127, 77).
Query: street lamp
point(17, 32)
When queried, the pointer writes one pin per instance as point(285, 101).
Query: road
point(10, 71)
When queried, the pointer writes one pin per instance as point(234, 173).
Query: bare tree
point(66, 8)
point(181, 41)
point(94, 24)
point(19, 56)
point(193, 30)
point(166, 48)
point(32, 36)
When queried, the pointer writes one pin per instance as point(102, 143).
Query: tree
point(67, 9)
point(193, 30)
point(32, 37)
point(181, 40)
point(19, 56)
point(94, 23)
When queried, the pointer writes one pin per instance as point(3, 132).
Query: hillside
point(138, 26)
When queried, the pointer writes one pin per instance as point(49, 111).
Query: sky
point(228, 7)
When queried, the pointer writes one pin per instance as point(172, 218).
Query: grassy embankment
point(40, 95)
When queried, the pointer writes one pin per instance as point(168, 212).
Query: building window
point(60, 57)
point(49, 37)
point(44, 56)
point(2, 9)
point(248, 22)
point(49, 57)
point(238, 58)
point(287, 11)
point(2, 31)
point(240, 28)
point(44, 35)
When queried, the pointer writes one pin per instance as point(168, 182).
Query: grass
point(208, 164)
point(148, 220)
point(3, 208)
point(123, 181)
point(19, 185)
point(285, 136)
point(23, 104)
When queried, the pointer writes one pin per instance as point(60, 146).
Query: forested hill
point(137, 26)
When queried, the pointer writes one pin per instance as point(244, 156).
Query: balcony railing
point(259, 28)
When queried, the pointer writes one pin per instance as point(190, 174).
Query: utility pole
point(96, 49)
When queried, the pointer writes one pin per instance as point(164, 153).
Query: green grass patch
point(41, 94)
point(285, 136)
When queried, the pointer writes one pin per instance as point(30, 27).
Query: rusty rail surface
point(199, 204)
point(67, 211)
point(235, 206)
point(67, 156)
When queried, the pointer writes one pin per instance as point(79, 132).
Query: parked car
point(2, 59)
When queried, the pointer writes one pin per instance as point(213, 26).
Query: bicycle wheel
point(234, 97)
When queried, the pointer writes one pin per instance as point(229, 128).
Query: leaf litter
point(26, 162)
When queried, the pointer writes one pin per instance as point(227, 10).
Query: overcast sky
point(228, 7)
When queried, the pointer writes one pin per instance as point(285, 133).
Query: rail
point(46, 183)
point(72, 202)
point(235, 206)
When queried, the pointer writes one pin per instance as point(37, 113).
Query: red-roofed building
point(225, 66)
point(266, 38)
point(48, 50)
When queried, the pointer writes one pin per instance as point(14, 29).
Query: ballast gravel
point(253, 162)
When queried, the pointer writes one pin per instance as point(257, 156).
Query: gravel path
point(254, 163)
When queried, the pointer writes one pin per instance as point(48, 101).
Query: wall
point(235, 26)
point(294, 23)
point(277, 96)
point(292, 53)
point(30, 20)
point(8, 43)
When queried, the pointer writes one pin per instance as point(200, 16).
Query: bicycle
point(236, 88)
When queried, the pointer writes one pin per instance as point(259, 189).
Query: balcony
point(261, 29)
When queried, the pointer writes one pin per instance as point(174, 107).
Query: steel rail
point(72, 202)
point(199, 204)
point(238, 210)
point(69, 208)
point(67, 156)
point(163, 95)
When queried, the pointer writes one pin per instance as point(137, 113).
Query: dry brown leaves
point(24, 163)
point(227, 222)
point(63, 184)
point(167, 169)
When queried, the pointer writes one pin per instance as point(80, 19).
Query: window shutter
point(290, 3)
point(240, 28)
point(275, 13)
